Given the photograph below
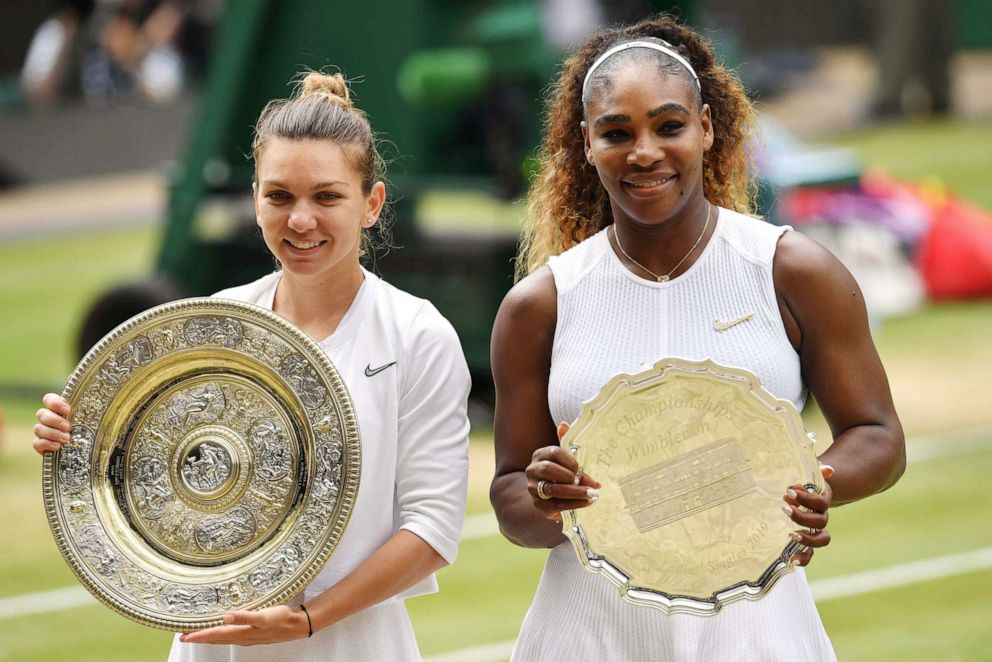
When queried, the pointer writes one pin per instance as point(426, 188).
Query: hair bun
point(333, 87)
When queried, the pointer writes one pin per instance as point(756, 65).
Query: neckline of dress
point(648, 282)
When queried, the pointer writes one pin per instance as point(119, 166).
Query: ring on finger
point(540, 490)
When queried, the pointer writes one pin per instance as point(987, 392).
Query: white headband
point(666, 49)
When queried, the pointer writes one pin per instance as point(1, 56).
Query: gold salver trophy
point(694, 459)
point(213, 466)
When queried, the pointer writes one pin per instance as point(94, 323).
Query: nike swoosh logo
point(372, 372)
point(723, 326)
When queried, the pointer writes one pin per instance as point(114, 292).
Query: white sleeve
point(432, 434)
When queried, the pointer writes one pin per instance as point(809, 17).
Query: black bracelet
point(309, 623)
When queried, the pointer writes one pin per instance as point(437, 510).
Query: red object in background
point(955, 255)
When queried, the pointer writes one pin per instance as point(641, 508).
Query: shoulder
point(250, 292)
point(415, 321)
point(801, 262)
point(571, 266)
point(523, 333)
point(427, 348)
point(813, 283)
point(533, 299)
point(399, 305)
point(753, 238)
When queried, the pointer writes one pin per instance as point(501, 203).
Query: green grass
point(483, 596)
point(946, 619)
point(933, 511)
point(945, 330)
point(90, 634)
point(48, 284)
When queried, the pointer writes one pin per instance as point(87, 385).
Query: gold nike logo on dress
point(723, 326)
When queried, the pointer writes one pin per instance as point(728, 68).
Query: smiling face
point(311, 208)
point(646, 135)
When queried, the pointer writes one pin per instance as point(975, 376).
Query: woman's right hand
point(556, 482)
point(52, 429)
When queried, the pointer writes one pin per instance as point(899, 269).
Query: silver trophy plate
point(694, 459)
point(214, 464)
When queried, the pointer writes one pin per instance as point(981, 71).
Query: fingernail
point(792, 493)
point(592, 493)
point(795, 536)
point(827, 470)
point(787, 509)
point(578, 477)
point(65, 437)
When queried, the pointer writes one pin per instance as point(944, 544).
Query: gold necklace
point(664, 278)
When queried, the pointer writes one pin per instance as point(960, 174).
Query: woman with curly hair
point(639, 243)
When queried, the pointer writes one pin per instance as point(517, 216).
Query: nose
point(302, 218)
point(646, 151)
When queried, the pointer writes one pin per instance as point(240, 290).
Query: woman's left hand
point(809, 509)
point(249, 628)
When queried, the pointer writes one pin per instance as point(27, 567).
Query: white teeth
point(650, 184)
point(303, 245)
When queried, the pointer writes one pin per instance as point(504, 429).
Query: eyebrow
point(315, 187)
point(663, 108)
point(612, 119)
point(666, 107)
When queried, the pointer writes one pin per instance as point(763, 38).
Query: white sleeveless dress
point(611, 321)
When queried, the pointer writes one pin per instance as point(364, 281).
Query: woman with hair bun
point(318, 194)
point(639, 244)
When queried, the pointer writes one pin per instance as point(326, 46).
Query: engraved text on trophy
point(690, 483)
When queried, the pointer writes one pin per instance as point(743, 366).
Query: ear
point(706, 119)
point(377, 199)
point(585, 142)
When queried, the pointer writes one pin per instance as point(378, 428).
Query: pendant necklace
point(664, 278)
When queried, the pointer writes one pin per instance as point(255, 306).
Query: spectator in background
point(122, 47)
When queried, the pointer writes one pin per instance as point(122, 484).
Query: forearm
point(400, 563)
point(866, 459)
point(519, 521)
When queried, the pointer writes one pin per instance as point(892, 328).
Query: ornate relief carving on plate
point(213, 466)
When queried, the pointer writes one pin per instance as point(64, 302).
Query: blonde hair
point(321, 109)
point(567, 202)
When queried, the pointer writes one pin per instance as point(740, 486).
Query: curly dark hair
point(567, 202)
